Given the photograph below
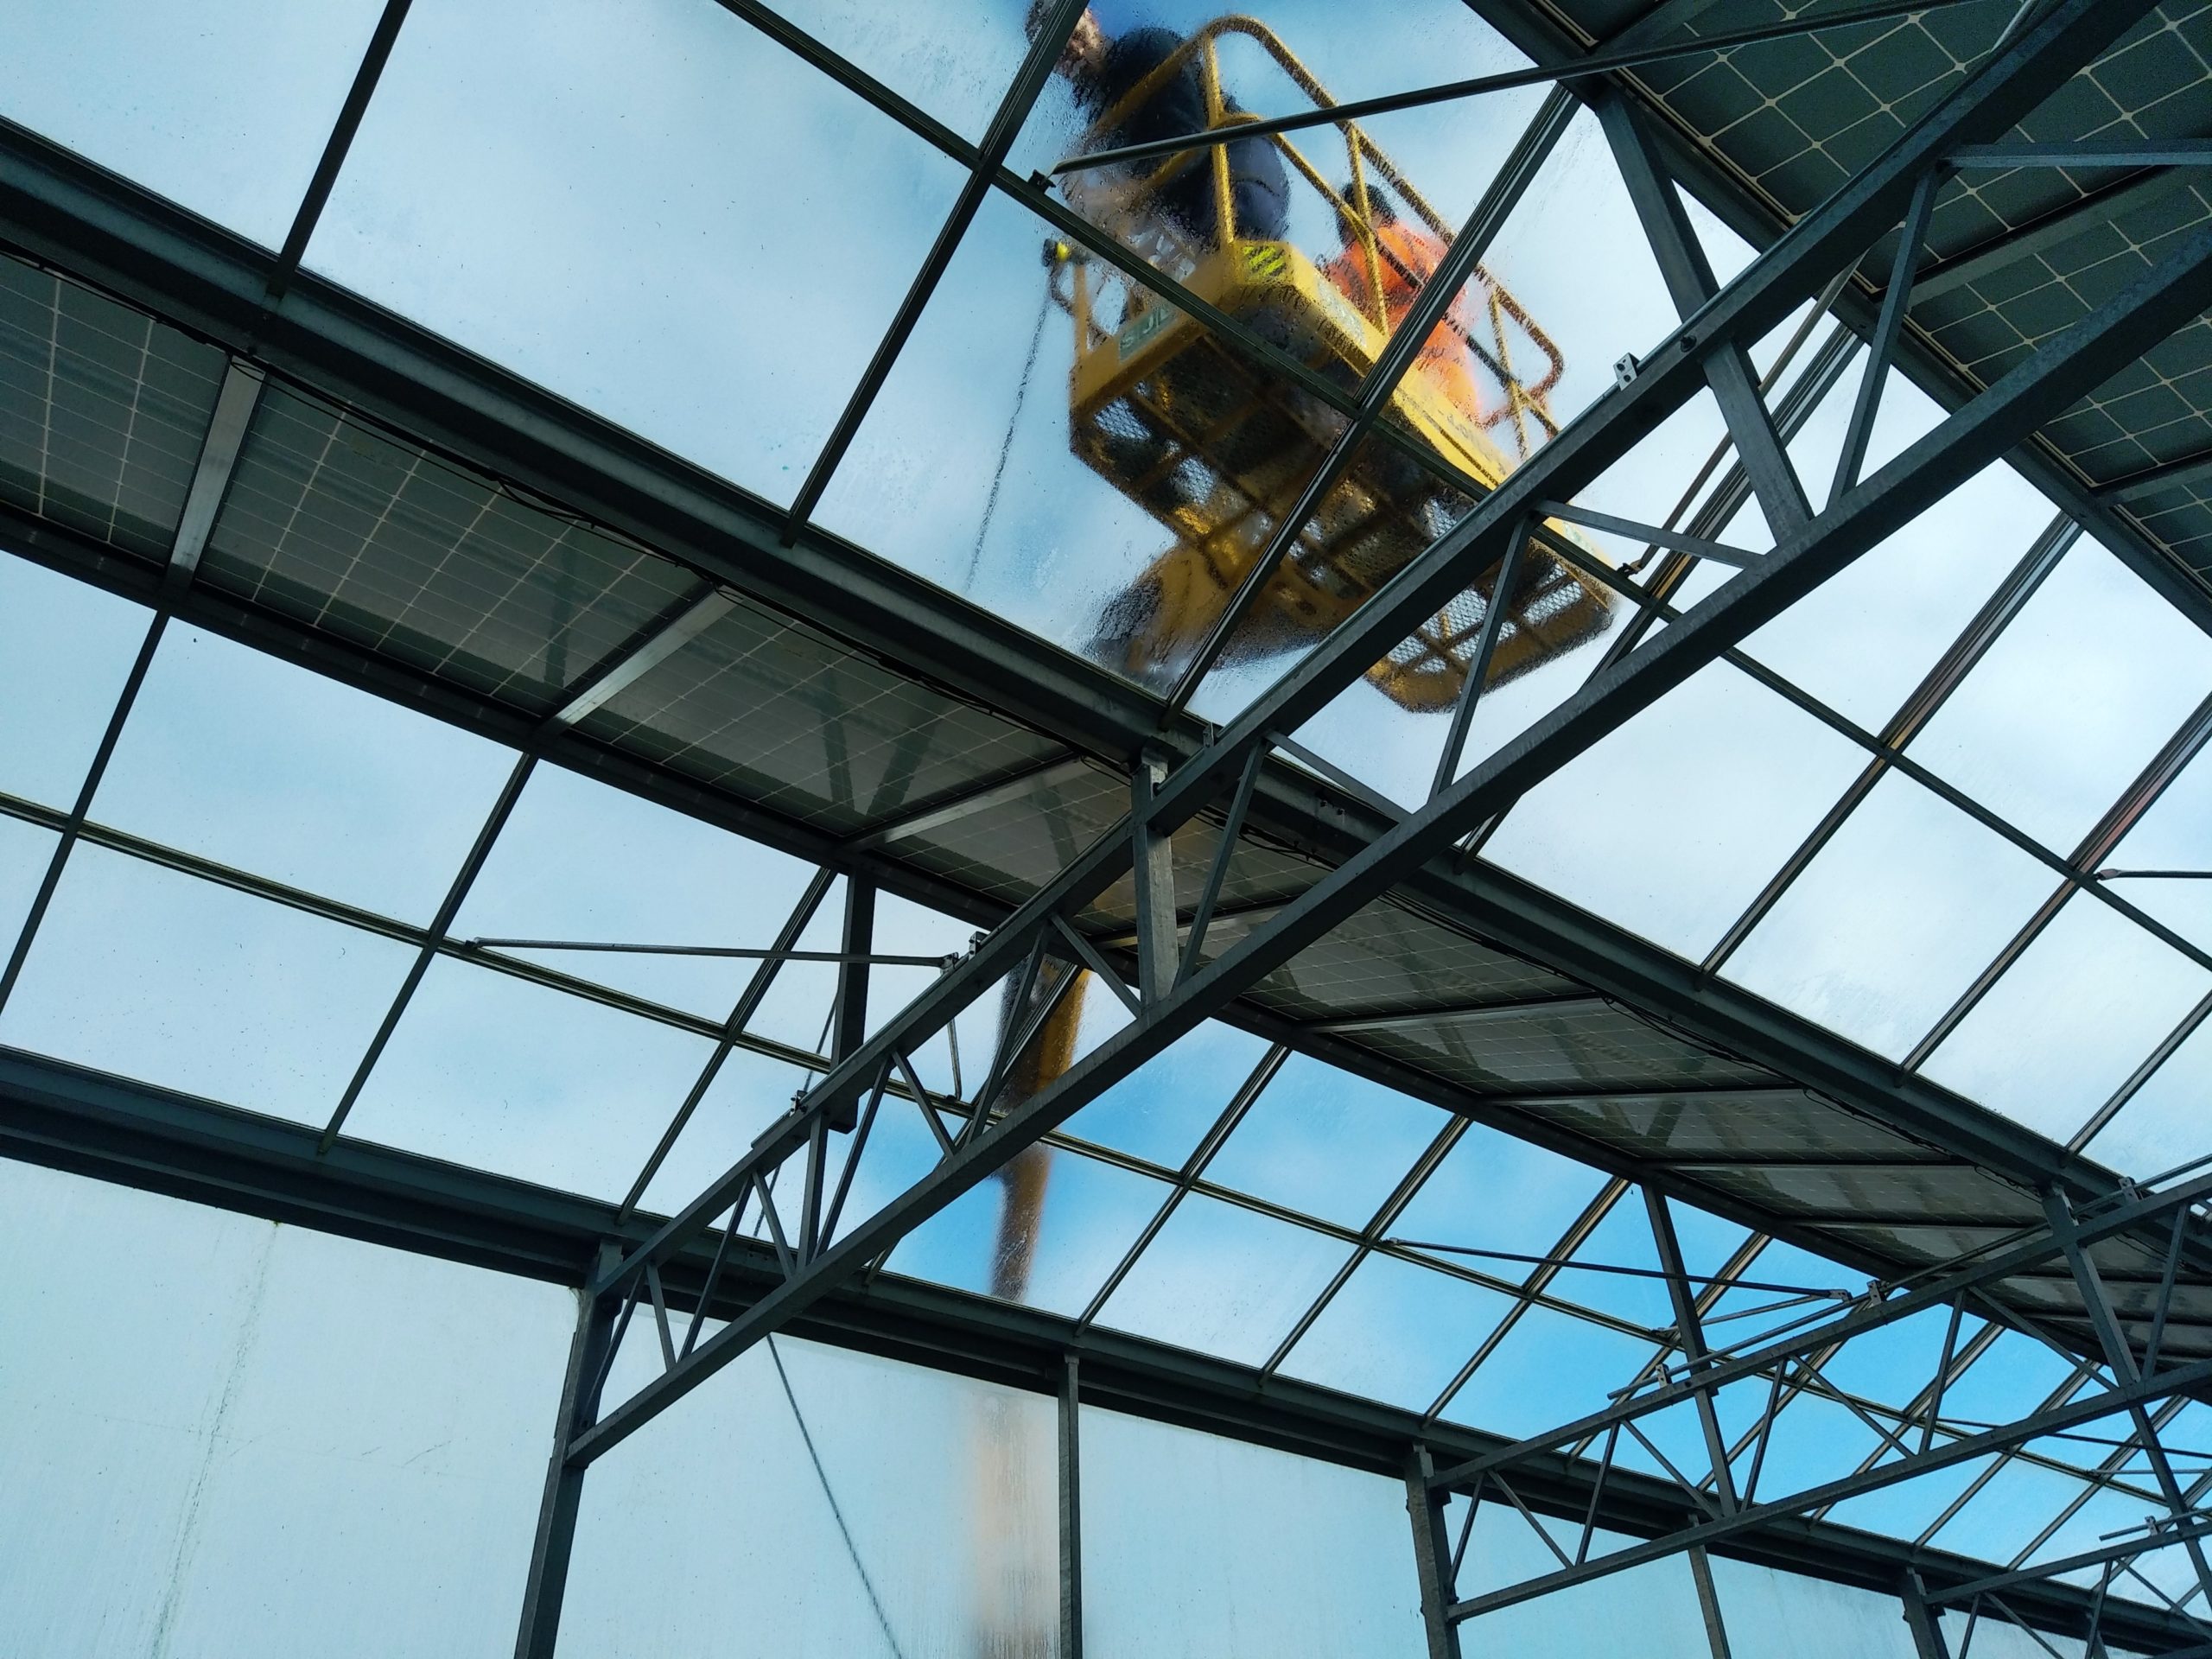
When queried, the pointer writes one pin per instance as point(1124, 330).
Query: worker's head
point(1085, 53)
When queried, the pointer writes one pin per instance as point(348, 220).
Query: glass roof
point(1949, 807)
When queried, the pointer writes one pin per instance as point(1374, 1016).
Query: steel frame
point(1170, 986)
point(128, 244)
point(1709, 347)
point(62, 1116)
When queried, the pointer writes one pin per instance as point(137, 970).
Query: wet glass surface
point(223, 107)
point(582, 197)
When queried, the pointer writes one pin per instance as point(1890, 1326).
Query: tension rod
point(746, 952)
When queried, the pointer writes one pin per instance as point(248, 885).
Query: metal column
point(589, 1352)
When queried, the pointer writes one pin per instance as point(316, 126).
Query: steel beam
point(1047, 40)
point(2188, 470)
point(2126, 1548)
point(1071, 1507)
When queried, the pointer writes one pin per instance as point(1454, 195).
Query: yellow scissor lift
point(1218, 450)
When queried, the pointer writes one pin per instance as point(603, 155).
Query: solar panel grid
point(101, 411)
point(1797, 116)
point(1688, 1126)
point(1842, 1193)
point(384, 544)
point(1012, 847)
point(1794, 118)
point(1386, 959)
point(2180, 516)
point(805, 726)
point(1570, 1047)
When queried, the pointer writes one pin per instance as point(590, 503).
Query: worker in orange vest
point(1409, 253)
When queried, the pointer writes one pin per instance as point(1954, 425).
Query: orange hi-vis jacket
point(1407, 253)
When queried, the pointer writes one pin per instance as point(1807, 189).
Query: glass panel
point(2004, 1518)
point(1196, 1545)
point(1550, 1369)
point(581, 860)
point(225, 108)
point(2078, 692)
point(1325, 1143)
point(2067, 1023)
point(1223, 1280)
point(2174, 835)
point(225, 1436)
point(1078, 458)
point(263, 765)
point(2162, 1125)
point(954, 58)
point(1862, 640)
point(578, 193)
point(1590, 309)
point(749, 1092)
point(1623, 1239)
point(900, 1151)
point(800, 1000)
point(1781, 1616)
point(1494, 1192)
point(1162, 1110)
point(906, 929)
point(879, 1508)
point(1816, 1440)
point(65, 650)
point(491, 1071)
point(2016, 1376)
point(1892, 919)
point(161, 977)
point(26, 849)
point(1893, 1363)
point(1903, 1510)
point(1697, 854)
point(1651, 1611)
point(1396, 1332)
point(1046, 1230)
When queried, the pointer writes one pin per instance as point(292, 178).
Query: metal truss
point(810, 1267)
point(1916, 1441)
point(1175, 994)
point(205, 282)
